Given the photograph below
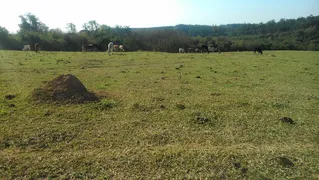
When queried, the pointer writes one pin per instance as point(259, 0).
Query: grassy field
point(164, 116)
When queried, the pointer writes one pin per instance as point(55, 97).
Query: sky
point(153, 13)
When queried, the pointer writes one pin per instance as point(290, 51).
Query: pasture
point(162, 116)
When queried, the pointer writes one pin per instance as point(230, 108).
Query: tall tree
point(3, 37)
point(91, 26)
point(71, 28)
point(30, 23)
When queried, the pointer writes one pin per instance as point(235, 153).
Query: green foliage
point(286, 34)
point(71, 28)
point(3, 38)
point(30, 23)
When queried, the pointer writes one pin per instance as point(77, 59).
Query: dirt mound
point(63, 89)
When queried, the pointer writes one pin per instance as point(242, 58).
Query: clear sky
point(152, 13)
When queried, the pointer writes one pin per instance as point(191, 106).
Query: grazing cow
point(36, 47)
point(110, 48)
point(190, 50)
point(258, 50)
point(84, 47)
point(212, 49)
point(204, 47)
point(116, 48)
point(197, 49)
point(91, 47)
point(121, 47)
point(181, 50)
point(26, 48)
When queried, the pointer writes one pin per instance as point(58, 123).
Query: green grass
point(164, 116)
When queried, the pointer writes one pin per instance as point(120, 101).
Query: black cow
point(204, 47)
point(190, 50)
point(36, 47)
point(258, 50)
point(92, 47)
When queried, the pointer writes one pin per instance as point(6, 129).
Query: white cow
point(212, 49)
point(121, 47)
point(26, 48)
point(110, 48)
point(181, 50)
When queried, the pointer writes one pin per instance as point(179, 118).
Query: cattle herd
point(29, 48)
point(199, 49)
point(91, 47)
point(111, 47)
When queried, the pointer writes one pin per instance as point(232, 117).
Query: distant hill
point(287, 34)
point(310, 23)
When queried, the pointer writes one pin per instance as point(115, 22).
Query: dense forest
point(286, 34)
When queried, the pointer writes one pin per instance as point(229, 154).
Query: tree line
point(287, 34)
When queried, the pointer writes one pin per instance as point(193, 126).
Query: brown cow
point(36, 47)
point(116, 48)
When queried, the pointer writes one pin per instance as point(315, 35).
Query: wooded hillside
point(286, 34)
